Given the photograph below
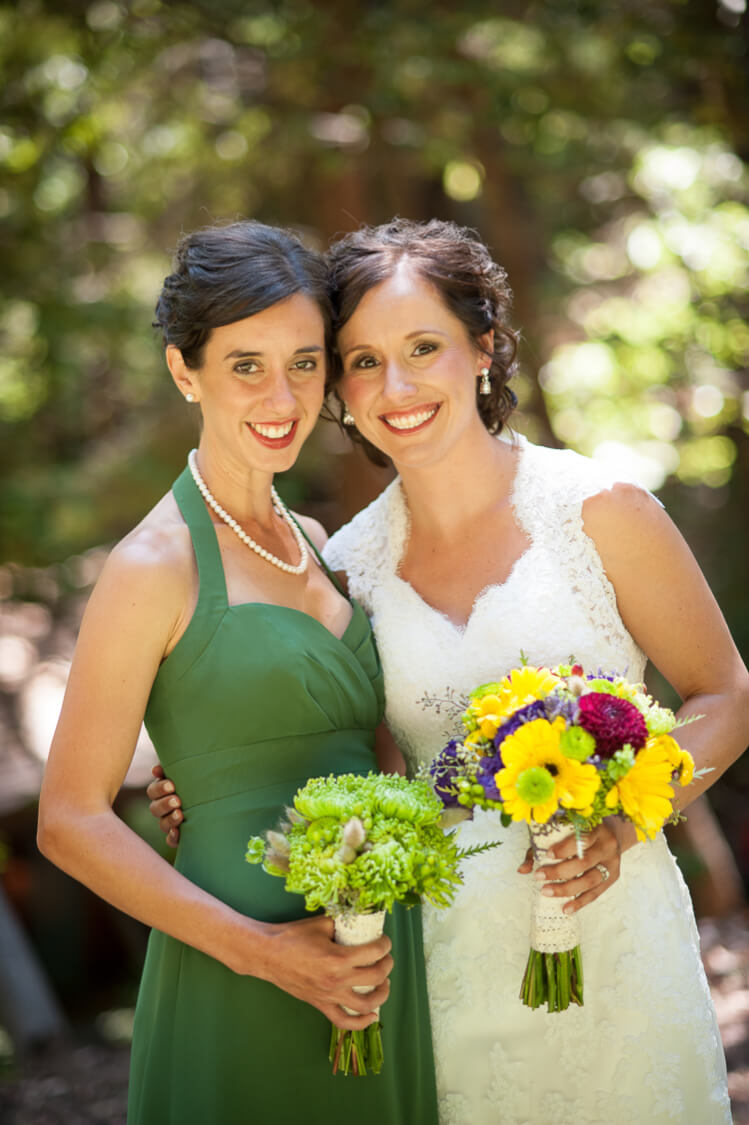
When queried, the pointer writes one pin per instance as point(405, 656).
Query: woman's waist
point(260, 774)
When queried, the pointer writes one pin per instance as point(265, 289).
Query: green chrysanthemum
point(577, 743)
point(535, 786)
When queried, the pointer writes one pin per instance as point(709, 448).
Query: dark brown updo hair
point(225, 273)
point(457, 264)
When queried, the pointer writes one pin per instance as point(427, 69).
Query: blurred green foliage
point(599, 148)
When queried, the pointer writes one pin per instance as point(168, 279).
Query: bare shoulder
point(626, 520)
point(313, 529)
point(152, 567)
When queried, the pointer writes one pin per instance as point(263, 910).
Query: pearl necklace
point(210, 500)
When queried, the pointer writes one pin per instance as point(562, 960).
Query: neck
point(244, 493)
point(457, 489)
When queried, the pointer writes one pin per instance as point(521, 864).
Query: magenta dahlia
point(612, 721)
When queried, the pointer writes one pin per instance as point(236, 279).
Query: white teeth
point(272, 431)
point(410, 421)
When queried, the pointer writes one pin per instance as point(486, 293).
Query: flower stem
point(356, 1052)
point(554, 979)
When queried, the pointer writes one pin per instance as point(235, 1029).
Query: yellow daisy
point(523, 686)
point(486, 712)
point(538, 777)
point(645, 792)
point(681, 761)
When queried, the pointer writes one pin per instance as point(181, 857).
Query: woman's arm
point(389, 757)
point(128, 625)
point(667, 606)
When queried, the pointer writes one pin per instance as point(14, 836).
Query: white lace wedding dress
point(645, 1048)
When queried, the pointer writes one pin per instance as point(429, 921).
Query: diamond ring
point(605, 873)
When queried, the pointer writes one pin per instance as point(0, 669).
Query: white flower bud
point(577, 685)
point(354, 833)
point(278, 842)
point(276, 859)
point(346, 854)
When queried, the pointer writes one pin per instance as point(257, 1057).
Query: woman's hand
point(583, 879)
point(302, 959)
point(166, 805)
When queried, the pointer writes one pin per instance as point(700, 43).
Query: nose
point(399, 382)
point(279, 397)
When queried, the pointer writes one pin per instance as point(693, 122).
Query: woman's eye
point(247, 367)
point(424, 349)
point(305, 365)
point(364, 362)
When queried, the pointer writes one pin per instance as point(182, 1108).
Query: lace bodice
point(557, 602)
point(645, 1047)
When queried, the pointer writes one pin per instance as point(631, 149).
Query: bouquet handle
point(357, 1051)
point(554, 973)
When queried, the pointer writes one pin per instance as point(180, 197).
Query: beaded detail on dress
point(645, 1047)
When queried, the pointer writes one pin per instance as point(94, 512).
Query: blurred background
point(600, 149)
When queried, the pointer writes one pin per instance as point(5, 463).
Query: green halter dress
point(254, 700)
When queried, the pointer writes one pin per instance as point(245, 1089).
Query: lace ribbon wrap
point(358, 929)
point(552, 931)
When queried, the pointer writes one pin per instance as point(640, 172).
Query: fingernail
point(568, 909)
point(168, 787)
point(174, 802)
point(548, 892)
point(539, 876)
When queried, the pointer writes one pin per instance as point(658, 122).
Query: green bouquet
point(354, 845)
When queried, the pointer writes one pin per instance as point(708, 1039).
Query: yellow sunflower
point(645, 792)
point(538, 777)
point(486, 713)
point(522, 686)
point(681, 761)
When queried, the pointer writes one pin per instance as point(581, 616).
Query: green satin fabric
point(254, 700)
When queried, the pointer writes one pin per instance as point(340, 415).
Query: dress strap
point(212, 594)
point(324, 566)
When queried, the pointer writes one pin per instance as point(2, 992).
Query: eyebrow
point(410, 336)
point(240, 353)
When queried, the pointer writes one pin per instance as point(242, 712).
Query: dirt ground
point(86, 1083)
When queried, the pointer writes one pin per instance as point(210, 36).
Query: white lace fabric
point(645, 1047)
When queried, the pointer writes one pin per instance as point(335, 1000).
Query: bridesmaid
point(253, 672)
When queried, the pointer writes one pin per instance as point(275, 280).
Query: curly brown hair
point(453, 260)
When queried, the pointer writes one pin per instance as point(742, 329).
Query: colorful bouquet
point(562, 750)
point(353, 846)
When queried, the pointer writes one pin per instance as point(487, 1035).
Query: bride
point(485, 547)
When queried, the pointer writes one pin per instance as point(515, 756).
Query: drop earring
point(485, 384)
point(348, 418)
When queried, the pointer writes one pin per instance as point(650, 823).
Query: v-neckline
point(398, 548)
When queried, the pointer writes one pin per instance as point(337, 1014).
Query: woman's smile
point(411, 421)
point(274, 435)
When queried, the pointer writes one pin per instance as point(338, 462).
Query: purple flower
point(612, 721)
point(535, 710)
point(556, 706)
point(445, 769)
point(488, 767)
